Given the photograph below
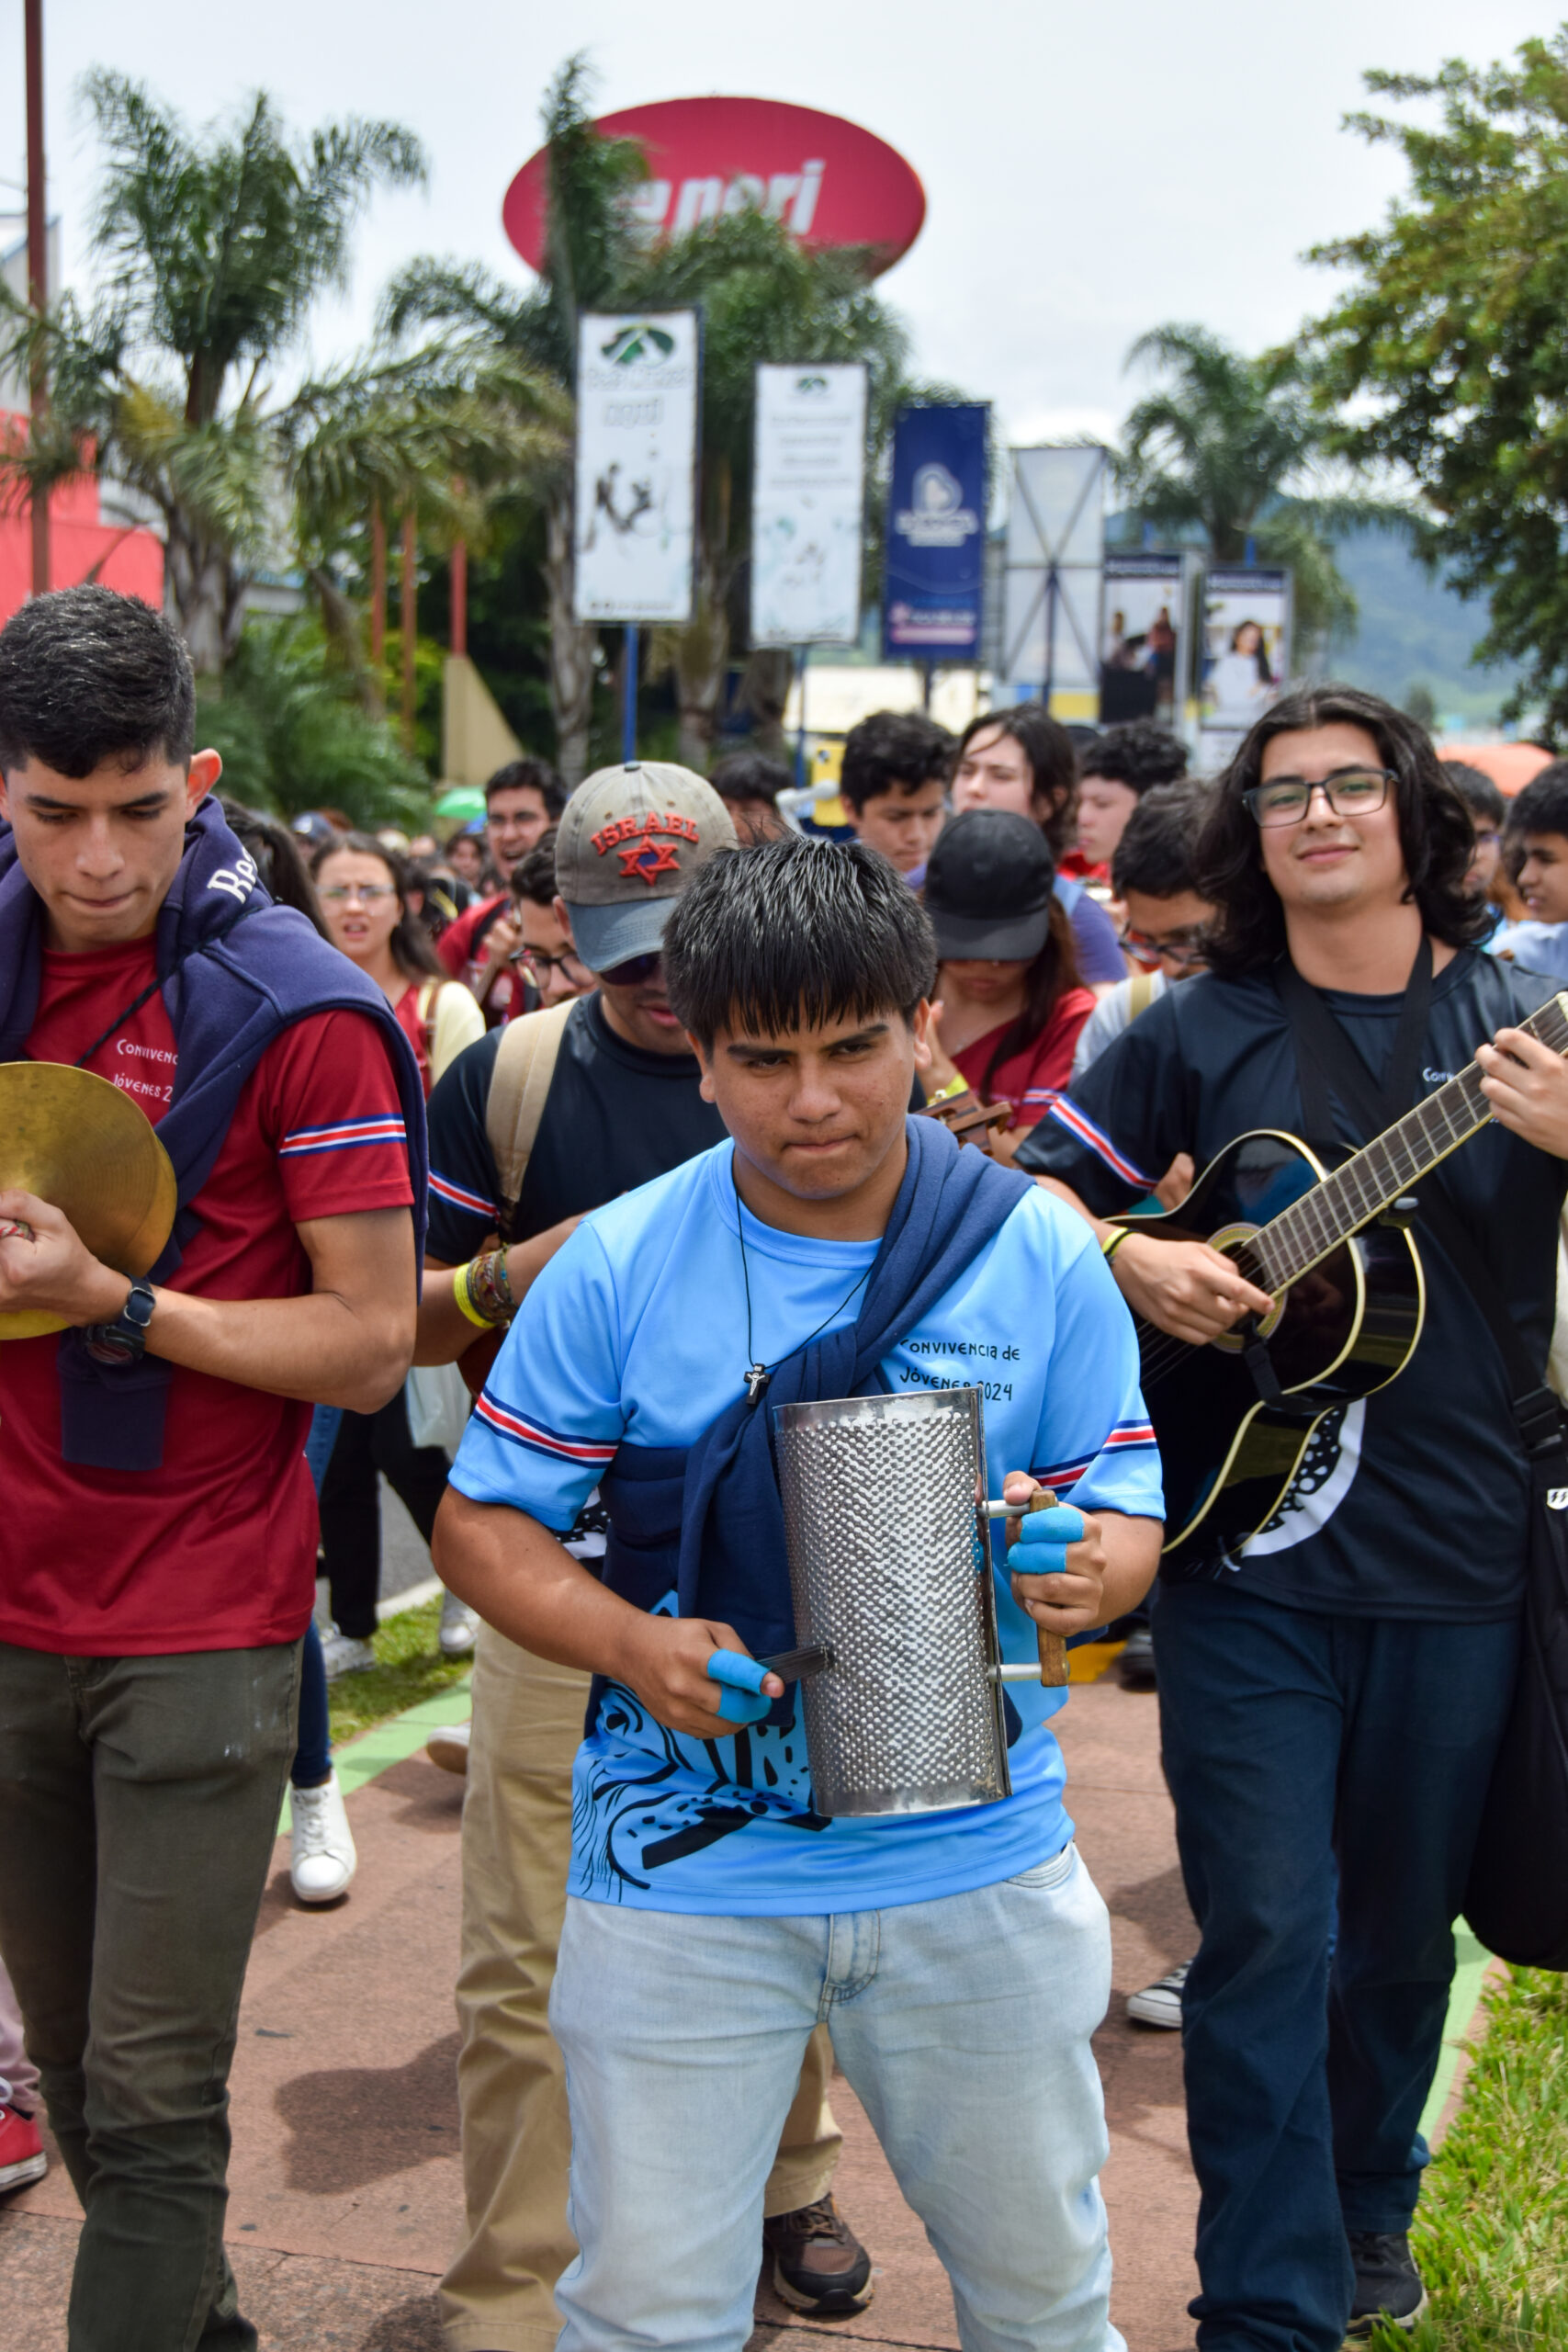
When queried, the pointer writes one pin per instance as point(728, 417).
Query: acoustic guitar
point(1332, 1247)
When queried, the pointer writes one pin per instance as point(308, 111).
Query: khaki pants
point(499, 2294)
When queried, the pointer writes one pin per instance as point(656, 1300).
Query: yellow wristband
point(954, 1087)
point(1113, 1241)
point(465, 1298)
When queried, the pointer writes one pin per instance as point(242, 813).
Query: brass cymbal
point(91, 1152)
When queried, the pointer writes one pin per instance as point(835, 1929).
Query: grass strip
point(408, 1667)
point(1492, 2232)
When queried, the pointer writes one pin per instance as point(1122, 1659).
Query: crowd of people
point(631, 1114)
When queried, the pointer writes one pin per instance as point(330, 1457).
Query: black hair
point(534, 876)
point(1435, 832)
point(1154, 855)
point(1053, 766)
point(276, 854)
point(793, 935)
point(1137, 753)
point(87, 675)
point(742, 776)
point(893, 750)
point(1543, 805)
point(412, 952)
point(1476, 789)
point(534, 776)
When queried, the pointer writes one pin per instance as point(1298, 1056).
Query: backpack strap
point(525, 1064)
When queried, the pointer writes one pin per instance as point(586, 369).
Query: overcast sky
point(1089, 172)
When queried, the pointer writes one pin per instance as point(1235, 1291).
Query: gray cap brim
point(609, 936)
point(980, 939)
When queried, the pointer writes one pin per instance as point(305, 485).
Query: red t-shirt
point(1076, 868)
point(217, 1550)
point(1029, 1082)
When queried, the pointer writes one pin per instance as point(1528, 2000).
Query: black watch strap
point(125, 1339)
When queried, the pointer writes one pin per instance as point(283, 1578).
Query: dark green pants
point(139, 1800)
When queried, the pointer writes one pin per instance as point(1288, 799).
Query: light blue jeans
point(963, 2026)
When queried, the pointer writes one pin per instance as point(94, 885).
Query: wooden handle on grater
point(1053, 1646)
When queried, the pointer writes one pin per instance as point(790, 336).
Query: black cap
point(988, 887)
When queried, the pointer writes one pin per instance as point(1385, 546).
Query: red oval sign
point(832, 182)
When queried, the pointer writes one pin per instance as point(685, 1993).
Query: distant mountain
point(1413, 631)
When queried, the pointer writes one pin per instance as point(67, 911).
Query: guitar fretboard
point(1356, 1193)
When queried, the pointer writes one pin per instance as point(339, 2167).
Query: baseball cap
point(630, 840)
point(988, 886)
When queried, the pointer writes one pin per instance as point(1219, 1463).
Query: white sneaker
point(449, 1746)
point(459, 1627)
point(321, 1860)
point(340, 1653)
point(1160, 2004)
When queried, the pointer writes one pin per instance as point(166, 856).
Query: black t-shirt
point(615, 1117)
point(1412, 1503)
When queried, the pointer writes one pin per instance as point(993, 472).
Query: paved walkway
point(346, 2194)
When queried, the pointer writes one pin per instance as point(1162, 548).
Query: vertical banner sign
point(1051, 631)
point(1144, 651)
point(639, 379)
point(807, 496)
point(934, 596)
point(1245, 654)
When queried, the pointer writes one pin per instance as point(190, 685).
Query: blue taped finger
point(1037, 1559)
point(734, 1668)
point(1060, 1524)
point(740, 1707)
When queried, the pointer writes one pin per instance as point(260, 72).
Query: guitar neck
point(1359, 1192)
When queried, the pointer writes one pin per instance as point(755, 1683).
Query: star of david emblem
point(648, 858)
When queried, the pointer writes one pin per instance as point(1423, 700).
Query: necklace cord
point(757, 1375)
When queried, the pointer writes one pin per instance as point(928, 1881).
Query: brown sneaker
point(819, 2265)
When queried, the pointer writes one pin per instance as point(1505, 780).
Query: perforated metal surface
point(879, 1497)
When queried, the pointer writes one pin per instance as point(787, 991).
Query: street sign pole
point(629, 695)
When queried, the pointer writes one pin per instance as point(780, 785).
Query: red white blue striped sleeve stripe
point(522, 1431)
point(343, 1135)
point(1127, 1437)
point(1095, 1139)
point(445, 1189)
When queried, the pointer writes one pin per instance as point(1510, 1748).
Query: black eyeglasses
point(1351, 792)
point(633, 972)
point(1182, 948)
point(570, 966)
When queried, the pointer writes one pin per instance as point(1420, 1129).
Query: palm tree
point(214, 249)
point(764, 298)
point(1229, 451)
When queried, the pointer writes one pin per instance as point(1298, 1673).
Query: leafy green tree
point(1446, 358)
point(293, 736)
point(213, 249)
point(1229, 449)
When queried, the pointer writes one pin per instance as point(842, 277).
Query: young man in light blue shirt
point(960, 1959)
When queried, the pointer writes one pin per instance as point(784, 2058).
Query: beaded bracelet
point(489, 1288)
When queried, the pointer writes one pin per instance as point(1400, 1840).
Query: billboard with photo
point(639, 380)
point(936, 536)
point(1144, 651)
point(808, 504)
point(1245, 654)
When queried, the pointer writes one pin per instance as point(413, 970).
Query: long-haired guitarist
point(1334, 1685)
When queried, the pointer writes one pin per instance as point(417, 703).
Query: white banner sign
point(1055, 558)
point(808, 500)
point(638, 382)
point(1245, 654)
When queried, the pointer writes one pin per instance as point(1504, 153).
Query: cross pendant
point(757, 1380)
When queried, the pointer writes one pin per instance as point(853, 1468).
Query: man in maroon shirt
point(154, 1591)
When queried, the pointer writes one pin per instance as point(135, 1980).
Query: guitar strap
point(1327, 1056)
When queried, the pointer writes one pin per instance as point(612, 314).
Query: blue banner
point(936, 536)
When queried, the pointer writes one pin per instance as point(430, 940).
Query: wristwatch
point(125, 1339)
